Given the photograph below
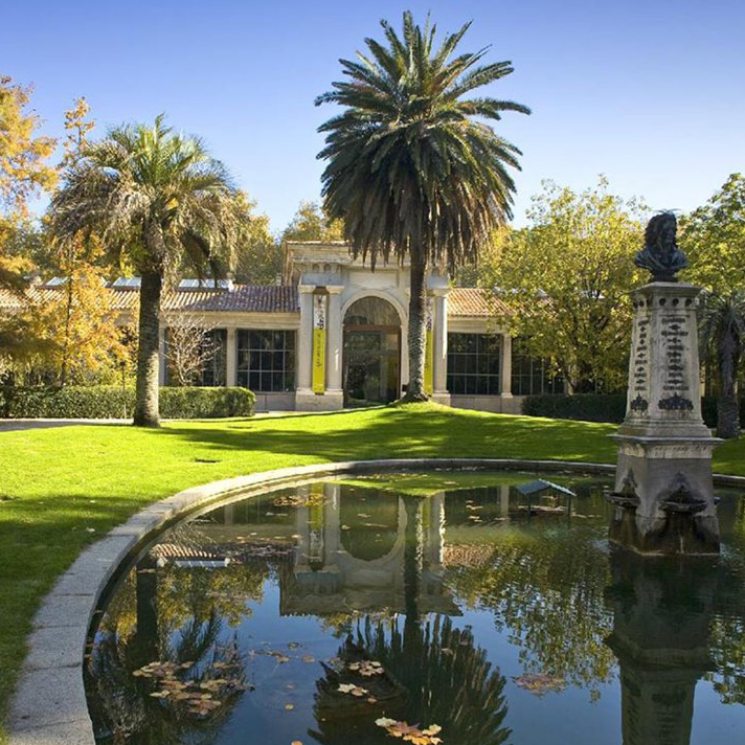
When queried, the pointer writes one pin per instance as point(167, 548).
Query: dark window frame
point(474, 365)
point(265, 359)
point(533, 376)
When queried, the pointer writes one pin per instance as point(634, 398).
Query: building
point(335, 335)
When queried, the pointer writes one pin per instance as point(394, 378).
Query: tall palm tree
point(411, 168)
point(723, 335)
point(155, 197)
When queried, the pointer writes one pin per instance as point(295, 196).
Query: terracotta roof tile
point(472, 302)
point(242, 299)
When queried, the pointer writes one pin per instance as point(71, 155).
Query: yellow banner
point(319, 360)
point(429, 363)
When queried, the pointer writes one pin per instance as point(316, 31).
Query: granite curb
point(49, 706)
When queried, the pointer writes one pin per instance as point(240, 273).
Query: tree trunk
point(417, 329)
point(148, 362)
point(728, 407)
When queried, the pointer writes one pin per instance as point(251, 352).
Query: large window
point(474, 364)
point(532, 376)
point(266, 360)
point(195, 356)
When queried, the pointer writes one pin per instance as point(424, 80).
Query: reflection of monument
point(664, 501)
point(359, 566)
point(661, 618)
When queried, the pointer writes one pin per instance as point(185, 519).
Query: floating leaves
point(411, 732)
point(366, 668)
point(540, 683)
point(353, 689)
point(200, 696)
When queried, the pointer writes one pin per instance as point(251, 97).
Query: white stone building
point(335, 335)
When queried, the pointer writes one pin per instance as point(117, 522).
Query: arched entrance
point(372, 352)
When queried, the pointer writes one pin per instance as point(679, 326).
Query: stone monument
point(663, 498)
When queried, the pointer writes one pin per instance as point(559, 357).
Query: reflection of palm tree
point(121, 704)
point(448, 681)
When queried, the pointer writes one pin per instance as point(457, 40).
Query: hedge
point(112, 402)
point(604, 407)
point(589, 407)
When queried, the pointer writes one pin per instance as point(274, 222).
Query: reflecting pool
point(454, 608)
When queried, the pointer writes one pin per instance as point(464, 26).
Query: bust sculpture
point(661, 255)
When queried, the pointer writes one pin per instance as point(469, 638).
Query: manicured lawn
point(60, 489)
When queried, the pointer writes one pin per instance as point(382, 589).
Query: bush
point(205, 403)
point(589, 407)
point(113, 402)
point(611, 408)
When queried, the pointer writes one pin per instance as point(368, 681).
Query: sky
point(650, 94)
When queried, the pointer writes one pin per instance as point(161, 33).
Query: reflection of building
point(336, 334)
point(342, 567)
point(661, 618)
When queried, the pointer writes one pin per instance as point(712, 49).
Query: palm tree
point(723, 335)
point(155, 198)
point(410, 170)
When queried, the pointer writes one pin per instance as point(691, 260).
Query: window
point(213, 372)
point(532, 375)
point(474, 364)
point(266, 360)
point(195, 356)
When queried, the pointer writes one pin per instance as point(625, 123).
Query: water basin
point(455, 608)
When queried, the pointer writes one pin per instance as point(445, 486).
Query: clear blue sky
point(652, 94)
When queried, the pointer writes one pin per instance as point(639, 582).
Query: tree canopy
point(563, 282)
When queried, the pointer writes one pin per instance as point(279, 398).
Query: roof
point(242, 299)
point(473, 302)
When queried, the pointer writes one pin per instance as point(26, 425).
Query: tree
point(723, 336)
point(154, 197)
point(258, 257)
point(412, 169)
point(312, 223)
point(713, 236)
point(189, 348)
point(563, 283)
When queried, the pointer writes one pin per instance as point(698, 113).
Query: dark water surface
point(420, 602)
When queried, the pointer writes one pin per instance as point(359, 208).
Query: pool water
point(453, 608)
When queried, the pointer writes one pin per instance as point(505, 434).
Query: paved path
point(11, 425)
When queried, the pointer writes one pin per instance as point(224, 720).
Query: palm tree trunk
point(148, 362)
point(417, 328)
point(728, 408)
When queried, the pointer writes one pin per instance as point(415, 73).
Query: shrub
point(205, 403)
point(589, 407)
point(611, 408)
point(111, 402)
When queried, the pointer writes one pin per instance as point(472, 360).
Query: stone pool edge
point(49, 706)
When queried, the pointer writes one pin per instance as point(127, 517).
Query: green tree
point(563, 282)
point(312, 223)
point(723, 337)
point(154, 197)
point(258, 256)
point(412, 168)
point(713, 236)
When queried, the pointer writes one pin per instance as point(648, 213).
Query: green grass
point(56, 485)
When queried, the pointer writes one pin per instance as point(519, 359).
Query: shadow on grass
point(397, 432)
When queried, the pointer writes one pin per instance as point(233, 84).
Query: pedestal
point(663, 497)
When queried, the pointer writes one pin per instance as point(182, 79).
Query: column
point(334, 341)
point(506, 372)
point(305, 339)
point(231, 358)
point(440, 340)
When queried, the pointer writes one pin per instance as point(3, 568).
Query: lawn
point(60, 489)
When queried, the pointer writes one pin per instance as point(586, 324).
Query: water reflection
point(467, 598)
